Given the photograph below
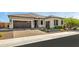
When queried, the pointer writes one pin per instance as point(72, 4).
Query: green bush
point(51, 28)
point(58, 27)
point(75, 28)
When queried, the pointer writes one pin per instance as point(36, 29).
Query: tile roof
point(29, 15)
point(54, 17)
point(33, 15)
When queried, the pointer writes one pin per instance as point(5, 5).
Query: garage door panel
point(22, 24)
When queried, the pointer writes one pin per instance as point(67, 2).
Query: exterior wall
point(26, 19)
point(39, 21)
point(19, 19)
point(52, 21)
point(32, 24)
point(11, 24)
point(59, 22)
point(4, 25)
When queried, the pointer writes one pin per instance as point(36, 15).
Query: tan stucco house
point(34, 21)
point(4, 25)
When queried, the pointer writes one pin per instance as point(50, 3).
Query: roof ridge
point(36, 14)
point(29, 15)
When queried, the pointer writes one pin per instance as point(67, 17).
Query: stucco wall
point(26, 19)
point(52, 21)
point(4, 25)
point(39, 21)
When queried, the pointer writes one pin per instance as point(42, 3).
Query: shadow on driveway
point(70, 41)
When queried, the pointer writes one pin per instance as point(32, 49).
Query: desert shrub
point(75, 28)
point(51, 28)
point(58, 27)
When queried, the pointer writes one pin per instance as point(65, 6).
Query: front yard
point(24, 33)
point(27, 32)
point(6, 35)
point(20, 33)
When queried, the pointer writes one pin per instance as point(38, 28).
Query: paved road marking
point(33, 39)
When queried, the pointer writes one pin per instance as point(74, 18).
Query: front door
point(35, 23)
point(47, 24)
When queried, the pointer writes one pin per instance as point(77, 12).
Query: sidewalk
point(33, 39)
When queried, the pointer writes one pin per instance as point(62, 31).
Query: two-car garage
point(22, 24)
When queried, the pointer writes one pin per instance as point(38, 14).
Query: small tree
point(71, 22)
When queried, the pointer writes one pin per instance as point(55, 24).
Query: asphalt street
point(70, 41)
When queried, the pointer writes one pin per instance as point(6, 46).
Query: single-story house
point(4, 25)
point(34, 21)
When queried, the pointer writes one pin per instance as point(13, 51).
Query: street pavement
point(47, 40)
point(69, 41)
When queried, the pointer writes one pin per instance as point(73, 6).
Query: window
point(10, 20)
point(41, 22)
point(55, 22)
point(61, 22)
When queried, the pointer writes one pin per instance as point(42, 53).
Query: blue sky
point(4, 18)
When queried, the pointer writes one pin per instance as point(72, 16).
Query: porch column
point(39, 23)
point(44, 23)
point(59, 22)
point(51, 23)
point(11, 24)
point(32, 24)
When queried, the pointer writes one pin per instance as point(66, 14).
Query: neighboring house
point(4, 25)
point(34, 21)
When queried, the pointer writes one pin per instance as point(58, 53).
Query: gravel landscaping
point(19, 33)
point(7, 34)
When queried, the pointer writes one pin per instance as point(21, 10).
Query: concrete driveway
point(34, 39)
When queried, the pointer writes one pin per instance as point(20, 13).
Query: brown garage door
point(22, 24)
